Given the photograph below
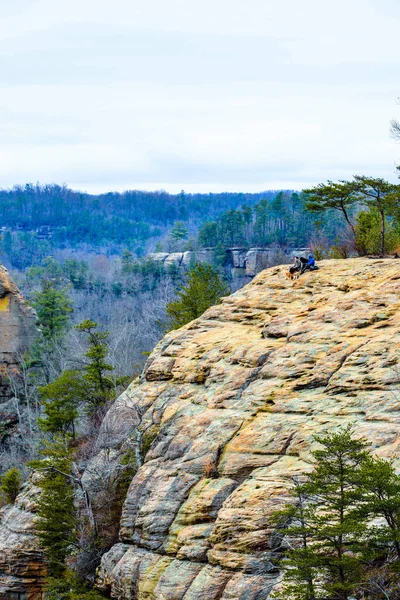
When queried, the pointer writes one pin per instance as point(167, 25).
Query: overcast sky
point(200, 95)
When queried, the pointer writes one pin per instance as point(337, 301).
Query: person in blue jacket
point(309, 265)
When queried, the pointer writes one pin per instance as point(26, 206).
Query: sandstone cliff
point(243, 263)
point(226, 410)
point(22, 569)
point(17, 331)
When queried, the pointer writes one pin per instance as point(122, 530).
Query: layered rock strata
point(17, 330)
point(225, 413)
point(22, 569)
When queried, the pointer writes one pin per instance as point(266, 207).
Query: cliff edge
point(226, 411)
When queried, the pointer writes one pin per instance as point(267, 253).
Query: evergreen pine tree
point(179, 231)
point(127, 261)
point(10, 485)
point(381, 196)
point(98, 387)
point(56, 523)
point(61, 400)
point(204, 288)
point(329, 562)
point(383, 486)
point(340, 196)
point(53, 308)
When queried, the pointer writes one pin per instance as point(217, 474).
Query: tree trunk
point(346, 216)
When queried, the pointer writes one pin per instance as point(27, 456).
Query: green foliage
point(368, 232)
point(383, 198)
point(10, 485)
point(275, 219)
point(147, 439)
point(203, 289)
point(339, 549)
point(179, 231)
point(382, 483)
point(329, 563)
point(208, 234)
point(76, 271)
point(98, 387)
point(92, 387)
point(70, 587)
point(56, 523)
point(340, 196)
point(61, 400)
point(53, 307)
point(127, 261)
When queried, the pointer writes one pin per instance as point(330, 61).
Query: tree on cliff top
point(179, 231)
point(379, 195)
point(339, 196)
point(203, 289)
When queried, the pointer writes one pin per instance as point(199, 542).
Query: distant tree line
point(281, 221)
point(113, 220)
point(336, 219)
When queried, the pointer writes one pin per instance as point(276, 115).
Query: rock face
point(243, 263)
point(225, 413)
point(21, 562)
point(17, 330)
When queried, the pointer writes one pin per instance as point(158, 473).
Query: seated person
point(296, 265)
point(308, 265)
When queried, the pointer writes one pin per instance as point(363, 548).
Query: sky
point(200, 95)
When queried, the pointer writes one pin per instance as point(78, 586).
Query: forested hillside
point(38, 221)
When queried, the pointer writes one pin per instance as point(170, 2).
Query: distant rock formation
point(17, 331)
point(243, 262)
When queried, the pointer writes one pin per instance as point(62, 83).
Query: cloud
point(182, 94)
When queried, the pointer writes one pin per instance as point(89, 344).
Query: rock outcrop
point(243, 263)
point(17, 330)
point(22, 569)
point(225, 412)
